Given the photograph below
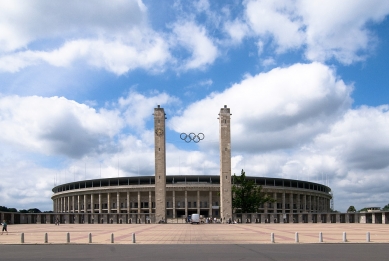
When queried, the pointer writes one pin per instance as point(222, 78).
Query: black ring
point(192, 137)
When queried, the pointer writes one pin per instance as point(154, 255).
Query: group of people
point(4, 224)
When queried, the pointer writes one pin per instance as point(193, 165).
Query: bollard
point(368, 237)
point(112, 238)
point(22, 238)
point(344, 237)
point(320, 237)
point(90, 238)
point(68, 237)
point(272, 237)
point(296, 237)
point(133, 238)
point(46, 238)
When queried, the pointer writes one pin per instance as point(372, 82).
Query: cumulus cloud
point(362, 133)
point(24, 22)
point(274, 110)
point(137, 108)
point(194, 39)
point(322, 30)
point(114, 36)
point(114, 56)
point(55, 125)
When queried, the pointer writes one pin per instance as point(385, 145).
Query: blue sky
point(306, 82)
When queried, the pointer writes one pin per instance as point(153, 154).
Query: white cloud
point(194, 39)
point(115, 56)
point(323, 30)
point(339, 29)
point(278, 19)
point(55, 125)
point(22, 23)
point(359, 139)
point(278, 110)
point(236, 30)
point(138, 108)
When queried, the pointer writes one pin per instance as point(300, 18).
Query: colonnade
point(181, 201)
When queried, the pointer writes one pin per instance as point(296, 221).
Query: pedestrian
point(4, 224)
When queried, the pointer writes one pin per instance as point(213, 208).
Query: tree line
point(31, 210)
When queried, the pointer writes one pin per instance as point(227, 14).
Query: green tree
point(34, 210)
point(5, 209)
point(386, 208)
point(247, 197)
point(351, 209)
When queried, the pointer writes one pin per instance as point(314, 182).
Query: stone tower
point(160, 164)
point(225, 163)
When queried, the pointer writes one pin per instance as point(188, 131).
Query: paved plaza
point(195, 234)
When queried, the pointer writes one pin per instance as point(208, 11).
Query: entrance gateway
point(160, 163)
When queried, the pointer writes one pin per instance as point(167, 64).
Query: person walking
point(4, 224)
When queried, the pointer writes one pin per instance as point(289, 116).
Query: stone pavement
point(195, 234)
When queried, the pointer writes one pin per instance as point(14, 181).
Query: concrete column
point(198, 202)
point(73, 204)
point(305, 203)
point(373, 218)
point(337, 218)
point(68, 204)
point(109, 202)
point(186, 203)
point(298, 203)
point(275, 205)
point(328, 218)
point(138, 202)
point(160, 163)
point(347, 217)
point(174, 204)
point(210, 203)
point(309, 218)
point(128, 202)
point(283, 215)
point(85, 205)
point(265, 205)
point(92, 203)
point(309, 203)
point(100, 204)
point(78, 203)
point(118, 202)
point(291, 202)
point(225, 163)
point(150, 204)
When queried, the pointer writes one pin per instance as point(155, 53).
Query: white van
point(195, 218)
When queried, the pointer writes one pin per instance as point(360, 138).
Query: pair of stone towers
point(160, 163)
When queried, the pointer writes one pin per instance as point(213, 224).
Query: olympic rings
point(191, 136)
